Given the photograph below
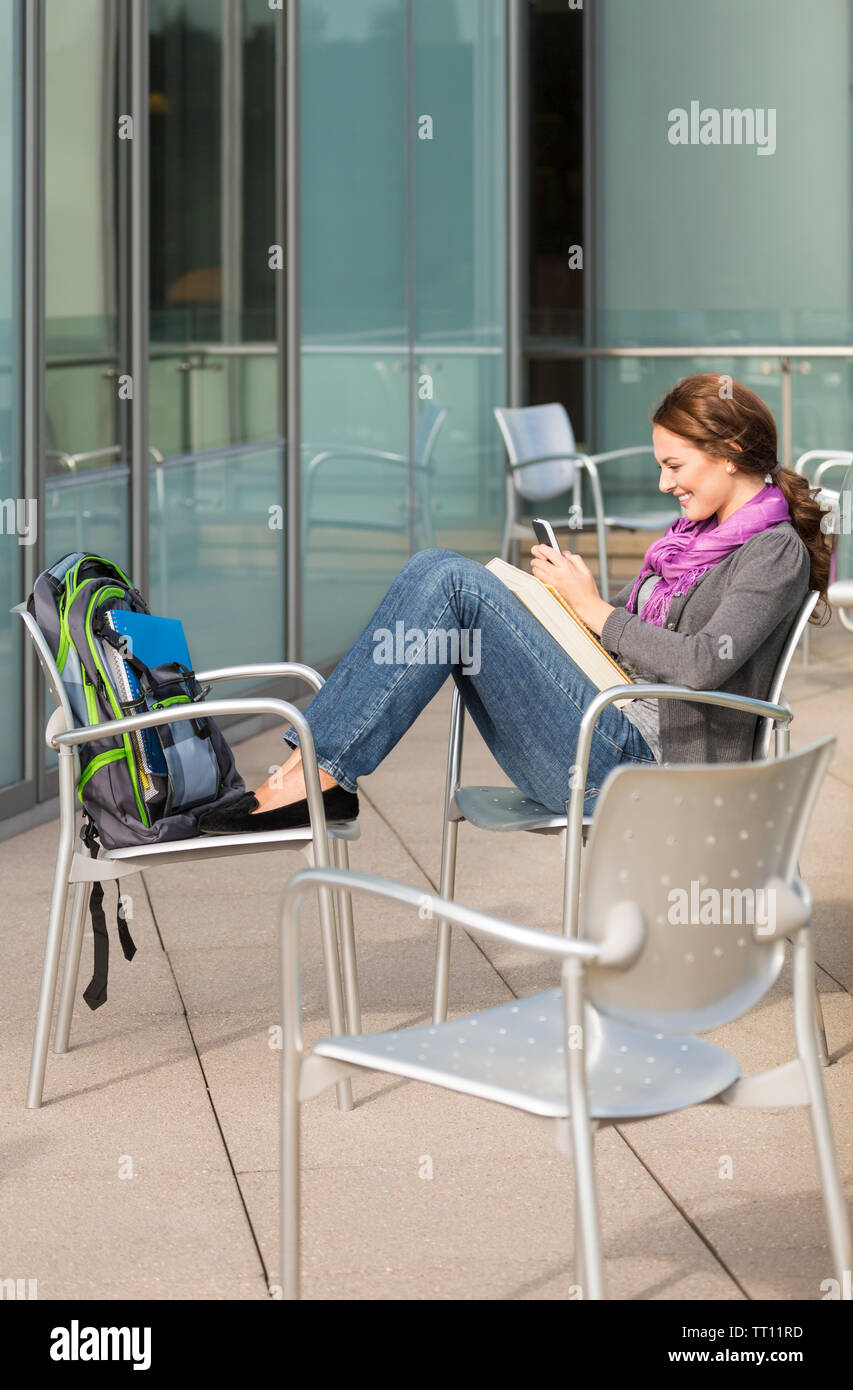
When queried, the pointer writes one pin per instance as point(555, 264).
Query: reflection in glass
point(86, 485)
point(403, 304)
point(216, 480)
point(11, 476)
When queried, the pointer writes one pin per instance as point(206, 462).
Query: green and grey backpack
point(138, 788)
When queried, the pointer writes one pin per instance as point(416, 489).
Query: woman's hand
point(573, 579)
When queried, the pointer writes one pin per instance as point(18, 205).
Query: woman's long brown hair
point(726, 420)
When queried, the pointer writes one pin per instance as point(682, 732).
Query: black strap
point(95, 993)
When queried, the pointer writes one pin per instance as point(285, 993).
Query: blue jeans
point(524, 693)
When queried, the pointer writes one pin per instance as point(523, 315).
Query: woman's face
point(699, 482)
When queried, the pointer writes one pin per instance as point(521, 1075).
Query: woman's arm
point(572, 577)
point(763, 578)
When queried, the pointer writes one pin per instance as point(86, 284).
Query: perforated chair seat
point(505, 808)
point(514, 1054)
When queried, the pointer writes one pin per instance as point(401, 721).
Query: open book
point(559, 618)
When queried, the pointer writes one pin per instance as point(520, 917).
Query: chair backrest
point(694, 848)
point(528, 433)
point(764, 731)
point(428, 424)
point(47, 663)
point(812, 462)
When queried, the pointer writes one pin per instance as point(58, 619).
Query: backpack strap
point(95, 993)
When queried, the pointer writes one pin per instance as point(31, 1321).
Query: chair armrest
point(355, 451)
point(217, 709)
point(546, 458)
point(837, 458)
point(763, 708)
point(827, 465)
point(114, 728)
point(264, 668)
point(431, 907)
point(621, 453)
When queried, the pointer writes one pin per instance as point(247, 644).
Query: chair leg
point(290, 1178)
point(443, 936)
point(73, 949)
point(580, 1268)
point(510, 518)
point(332, 968)
point(349, 963)
point(805, 1025)
point(822, 1046)
point(55, 924)
point(449, 833)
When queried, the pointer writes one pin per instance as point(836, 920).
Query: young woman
point(710, 609)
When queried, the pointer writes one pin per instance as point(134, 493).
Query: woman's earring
point(729, 468)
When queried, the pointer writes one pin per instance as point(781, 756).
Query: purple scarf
point(690, 548)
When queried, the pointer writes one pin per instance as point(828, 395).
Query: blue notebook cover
point(155, 642)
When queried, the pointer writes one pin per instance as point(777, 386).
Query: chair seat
point(173, 851)
point(643, 521)
point(514, 1054)
point(506, 808)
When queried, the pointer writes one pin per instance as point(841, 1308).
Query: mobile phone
point(545, 533)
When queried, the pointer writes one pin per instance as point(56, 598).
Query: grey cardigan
point(726, 633)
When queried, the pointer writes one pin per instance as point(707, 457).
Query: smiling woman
point(710, 609)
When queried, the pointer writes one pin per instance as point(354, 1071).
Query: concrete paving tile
point(483, 1227)
point(80, 1236)
point(136, 1091)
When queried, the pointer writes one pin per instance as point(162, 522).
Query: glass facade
point(216, 461)
point(403, 295)
point(359, 224)
point(86, 469)
point(742, 230)
point(11, 468)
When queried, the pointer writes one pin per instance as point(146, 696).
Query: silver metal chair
point(429, 423)
point(617, 1042)
point(506, 809)
point(544, 463)
point(827, 460)
point(840, 591)
point(326, 843)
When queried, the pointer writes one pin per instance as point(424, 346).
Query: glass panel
point(86, 488)
point(460, 262)
point(702, 241)
point(355, 363)
point(217, 519)
point(16, 515)
point(555, 218)
point(216, 563)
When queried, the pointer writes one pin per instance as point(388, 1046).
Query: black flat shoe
point(338, 804)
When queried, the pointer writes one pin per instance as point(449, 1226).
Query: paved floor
point(150, 1171)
